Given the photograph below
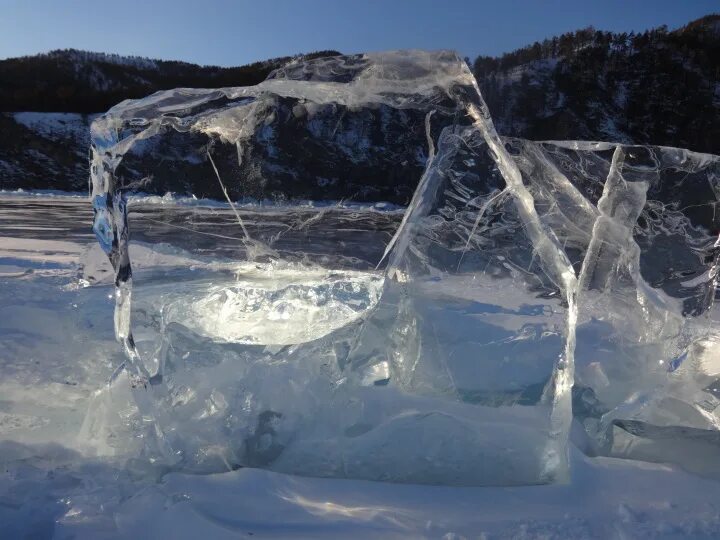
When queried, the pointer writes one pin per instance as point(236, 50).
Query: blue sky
point(233, 32)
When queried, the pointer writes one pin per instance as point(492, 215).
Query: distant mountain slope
point(47, 102)
point(86, 82)
point(44, 150)
point(660, 87)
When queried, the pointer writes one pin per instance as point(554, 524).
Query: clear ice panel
point(477, 306)
point(640, 225)
point(250, 353)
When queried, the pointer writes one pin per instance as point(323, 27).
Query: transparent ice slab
point(444, 353)
point(640, 224)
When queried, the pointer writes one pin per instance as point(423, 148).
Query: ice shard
point(640, 224)
point(445, 353)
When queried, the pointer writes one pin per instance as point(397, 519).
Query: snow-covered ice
point(59, 349)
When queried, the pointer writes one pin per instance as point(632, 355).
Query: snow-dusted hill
point(44, 150)
point(659, 87)
point(48, 101)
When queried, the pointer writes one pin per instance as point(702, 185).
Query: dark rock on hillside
point(296, 153)
point(292, 148)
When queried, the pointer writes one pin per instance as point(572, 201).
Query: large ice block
point(316, 341)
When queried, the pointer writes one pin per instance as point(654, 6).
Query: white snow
point(607, 499)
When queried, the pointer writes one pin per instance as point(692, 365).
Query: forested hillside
point(660, 87)
point(86, 82)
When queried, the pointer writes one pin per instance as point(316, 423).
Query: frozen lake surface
point(58, 352)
